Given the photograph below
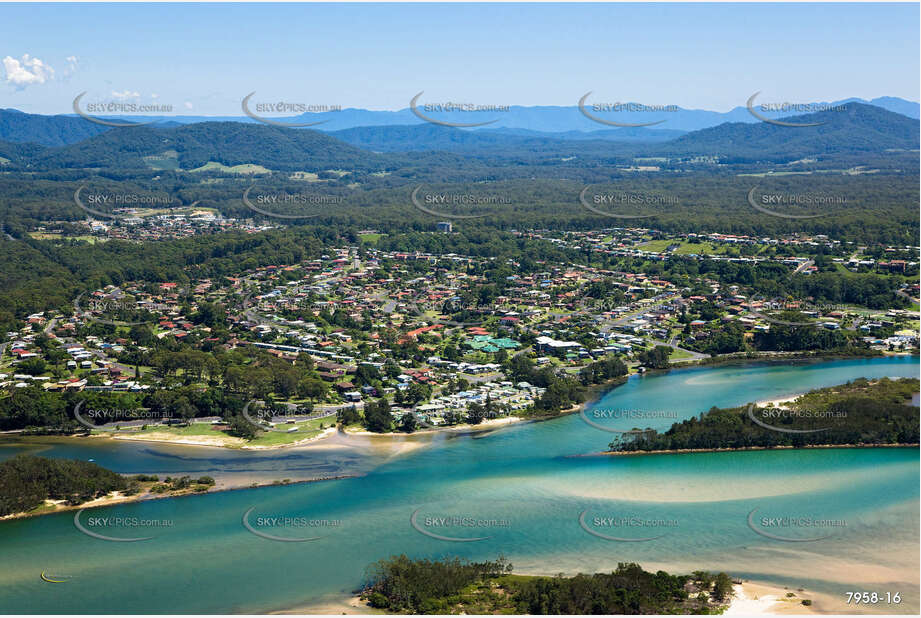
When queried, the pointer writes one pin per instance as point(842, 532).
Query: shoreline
point(594, 393)
point(748, 598)
point(759, 598)
point(119, 498)
point(749, 448)
point(462, 428)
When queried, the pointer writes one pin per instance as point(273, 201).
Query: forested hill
point(16, 126)
point(228, 143)
point(858, 129)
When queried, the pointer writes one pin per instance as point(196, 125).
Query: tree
point(32, 366)
point(408, 422)
point(656, 358)
point(377, 416)
point(348, 416)
point(242, 428)
point(722, 587)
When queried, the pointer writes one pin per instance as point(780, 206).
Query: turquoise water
point(526, 486)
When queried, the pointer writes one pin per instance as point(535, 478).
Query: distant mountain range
point(404, 138)
point(857, 129)
point(558, 122)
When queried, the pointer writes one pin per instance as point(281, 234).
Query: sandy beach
point(753, 599)
point(352, 605)
point(778, 402)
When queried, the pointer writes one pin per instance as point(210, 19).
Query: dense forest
point(859, 412)
point(27, 481)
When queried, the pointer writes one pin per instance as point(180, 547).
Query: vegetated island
point(454, 586)
point(859, 413)
point(31, 485)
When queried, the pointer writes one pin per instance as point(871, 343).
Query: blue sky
point(203, 59)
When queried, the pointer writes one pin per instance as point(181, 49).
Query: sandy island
point(223, 441)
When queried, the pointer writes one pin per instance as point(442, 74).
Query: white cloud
point(188, 105)
point(127, 94)
point(26, 71)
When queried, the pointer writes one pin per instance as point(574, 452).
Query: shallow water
point(523, 487)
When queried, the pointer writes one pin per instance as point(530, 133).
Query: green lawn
point(679, 354)
point(306, 429)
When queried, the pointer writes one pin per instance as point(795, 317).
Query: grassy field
point(246, 168)
point(684, 247)
point(679, 354)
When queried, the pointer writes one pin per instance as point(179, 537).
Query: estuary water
point(828, 520)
